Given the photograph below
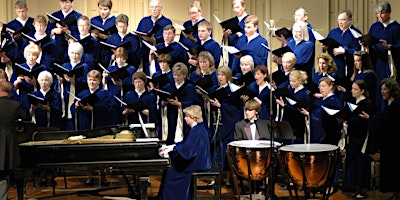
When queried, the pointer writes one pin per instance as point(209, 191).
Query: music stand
point(282, 130)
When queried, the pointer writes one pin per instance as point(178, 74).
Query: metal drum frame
point(310, 165)
point(250, 159)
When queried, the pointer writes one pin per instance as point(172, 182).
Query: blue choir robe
point(264, 96)
point(317, 76)
point(22, 95)
point(358, 167)
point(230, 114)
point(186, 42)
point(62, 44)
point(311, 37)
point(296, 119)
point(118, 91)
point(133, 50)
point(17, 25)
point(91, 51)
point(379, 55)
point(195, 77)
point(48, 57)
point(381, 136)
point(256, 50)
point(305, 53)
point(325, 128)
point(149, 99)
point(233, 38)
point(372, 83)
point(178, 53)
point(145, 25)
point(13, 53)
point(101, 114)
point(350, 45)
point(186, 100)
point(80, 85)
point(159, 102)
point(104, 24)
point(50, 118)
point(191, 154)
point(214, 48)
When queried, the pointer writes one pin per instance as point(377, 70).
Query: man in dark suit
point(251, 128)
point(9, 154)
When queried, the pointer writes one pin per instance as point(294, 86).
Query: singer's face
point(260, 77)
point(31, 58)
point(356, 91)
point(343, 21)
point(251, 114)
point(44, 83)
point(357, 62)
point(178, 77)
point(104, 11)
point(93, 83)
point(222, 78)
point(238, 8)
point(40, 27)
point(323, 65)
point(250, 29)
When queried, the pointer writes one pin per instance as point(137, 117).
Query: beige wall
point(322, 13)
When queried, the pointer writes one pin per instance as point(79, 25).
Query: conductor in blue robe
point(191, 154)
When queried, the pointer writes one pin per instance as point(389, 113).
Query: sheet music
point(317, 35)
point(262, 44)
point(110, 45)
point(103, 68)
point(217, 19)
point(146, 125)
point(330, 111)
point(97, 27)
point(30, 38)
point(354, 33)
point(75, 97)
point(352, 106)
point(233, 87)
point(290, 101)
point(151, 47)
point(179, 26)
point(123, 103)
point(230, 49)
point(187, 49)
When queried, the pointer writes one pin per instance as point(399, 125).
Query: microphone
point(272, 27)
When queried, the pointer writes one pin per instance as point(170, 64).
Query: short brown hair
point(140, 75)
point(252, 104)
point(105, 3)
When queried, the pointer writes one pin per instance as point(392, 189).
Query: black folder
point(164, 95)
point(108, 31)
point(7, 47)
point(195, 51)
point(312, 87)
point(369, 39)
point(279, 52)
point(24, 29)
point(344, 82)
point(279, 77)
point(35, 100)
point(91, 99)
point(245, 79)
point(284, 31)
point(165, 50)
point(138, 106)
point(160, 80)
point(69, 21)
point(330, 42)
point(284, 93)
point(42, 41)
point(119, 74)
point(60, 70)
point(20, 70)
point(126, 45)
point(308, 105)
point(232, 25)
point(246, 91)
point(190, 29)
point(149, 33)
point(220, 94)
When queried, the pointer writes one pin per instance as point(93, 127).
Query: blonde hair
point(94, 74)
point(225, 70)
point(32, 48)
point(194, 112)
point(247, 59)
point(206, 55)
point(329, 60)
point(299, 75)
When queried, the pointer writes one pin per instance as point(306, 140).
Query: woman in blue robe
point(263, 90)
point(116, 86)
point(191, 154)
point(146, 98)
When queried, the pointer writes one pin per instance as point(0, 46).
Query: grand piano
point(48, 149)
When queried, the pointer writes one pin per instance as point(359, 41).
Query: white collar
point(250, 38)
